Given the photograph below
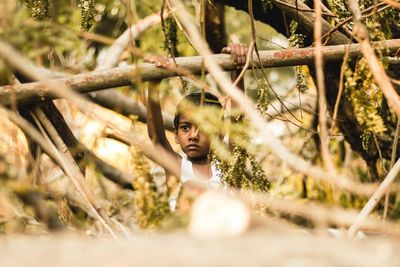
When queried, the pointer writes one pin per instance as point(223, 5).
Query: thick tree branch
point(306, 20)
point(121, 76)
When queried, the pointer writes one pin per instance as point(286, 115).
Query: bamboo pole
point(122, 76)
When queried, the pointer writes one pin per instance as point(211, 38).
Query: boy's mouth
point(192, 147)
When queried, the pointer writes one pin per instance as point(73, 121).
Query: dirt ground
point(178, 249)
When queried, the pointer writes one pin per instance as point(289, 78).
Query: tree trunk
point(215, 25)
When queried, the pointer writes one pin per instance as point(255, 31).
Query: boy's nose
point(194, 134)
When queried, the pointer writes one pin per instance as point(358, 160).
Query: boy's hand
point(158, 60)
point(238, 53)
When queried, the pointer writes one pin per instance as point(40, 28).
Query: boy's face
point(192, 141)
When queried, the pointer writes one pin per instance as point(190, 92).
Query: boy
point(195, 165)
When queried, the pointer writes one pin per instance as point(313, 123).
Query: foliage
point(266, 5)
point(237, 174)
point(362, 90)
point(240, 168)
point(150, 203)
point(263, 97)
point(171, 36)
point(38, 9)
point(296, 40)
point(87, 14)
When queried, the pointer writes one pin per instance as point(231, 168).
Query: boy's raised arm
point(155, 123)
point(238, 53)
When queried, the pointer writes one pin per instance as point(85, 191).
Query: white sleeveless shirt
point(187, 174)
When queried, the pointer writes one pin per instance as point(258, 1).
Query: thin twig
point(246, 65)
point(319, 65)
point(341, 86)
point(304, 9)
point(392, 161)
point(253, 37)
point(373, 201)
point(318, 213)
point(341, 23)
point(392, 3)
point(169, 46)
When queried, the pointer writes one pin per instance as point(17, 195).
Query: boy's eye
point(185, 128)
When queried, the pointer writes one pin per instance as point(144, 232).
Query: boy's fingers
point(243, 54)
point(159, 61)
point(235, 52)
point(238, 54)
point(148, 60)
point(226, 50)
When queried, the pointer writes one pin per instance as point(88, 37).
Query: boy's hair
point(197, 99)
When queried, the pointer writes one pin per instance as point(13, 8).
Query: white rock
point(217, 214)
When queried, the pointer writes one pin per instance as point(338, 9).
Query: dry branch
point(323, 111)
point(113, 99)
point(306, 20)
point(71, 170)
point(115, 51)
point(373, 201)
point(121, 76)
point(60, 153)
